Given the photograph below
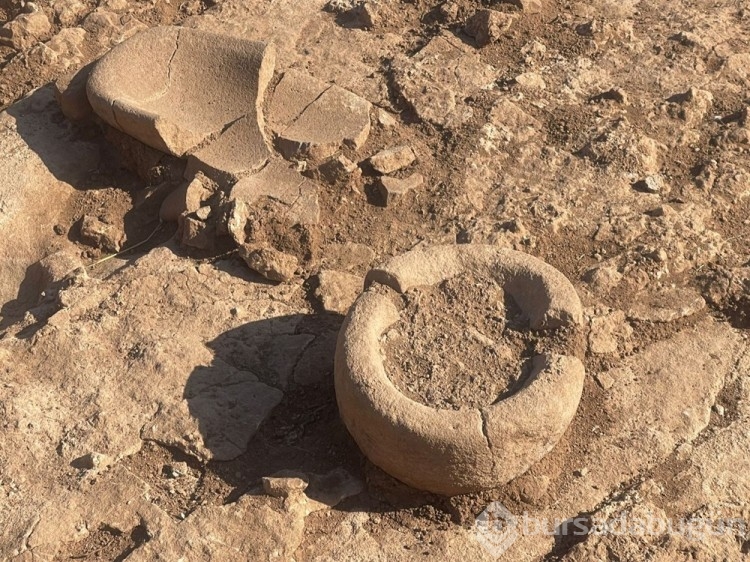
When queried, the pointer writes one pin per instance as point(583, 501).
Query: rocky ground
point(171, 403)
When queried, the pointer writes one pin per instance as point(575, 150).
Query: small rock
point(528, 6)
point(89, 461)
point(605, 380)
point(531, 81)
point(270, 263)
point(99, 234)
point(650, 184)
point(338, 169)
point(339, 6)
point(603, 278)
point(176, 470)
point(26, 30)
point(385, 119)
point(187, 198)
point(719, 409)
point(284, 483)
point(581, 472)
point(365, 15)
point(68, 12)
point(607, 330)
point(532, 489)
point(337, 290)
point(392, 159)
point(487, 26)
point(534, 48)
point(203, 213)
point(448, 11)
point(332, 488)
point(197, 234)
point(666, 305)
point(391, 189)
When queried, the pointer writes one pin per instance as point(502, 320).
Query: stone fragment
point(187, 198)
point(68, 12)
point(339, 6)
point(197, 234)
point(281, 184)
point(392, 159)
point(285, 483)
point(26, 30)
point(240, 151)
point(650, 184)
point(195, 85)
point(605, 380)
point(436, 80)
point(385, 119)
point(531, 81)
point(666, 305)
point(487, 26)
point(392, 189)
point(270, 263)
point(528, 6)
point(312, 119)
point(100, 234)
point(338, 290)
point(338, 169)
point(365, 15)
point(70, 93)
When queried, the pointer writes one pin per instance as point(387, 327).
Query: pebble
point(284, 483)
point(487, 26)
point(392, 159)
point(99, 234)
point(269, 262)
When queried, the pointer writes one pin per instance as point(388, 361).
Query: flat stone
point(197, 234)
point(487, 26)
point(338, 169)
point(437, 79)
point(392, 159)
point(240, 151)
point(531, 81)
point(392, 189)
point(195, 85)
point(337, 290)
point(285, 483)
point(666, 305)
point(312, 119)
point(270, 263)
point(282, 184)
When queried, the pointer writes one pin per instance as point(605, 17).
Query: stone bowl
point(445, 451)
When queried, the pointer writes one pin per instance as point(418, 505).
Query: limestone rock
point(313, 119)
point(284, 484)
point(487, 26)
point(392, 189)
point(187, 198)
point(26, 30)
point(666, 305)
point(270, 263)
point(100, 234)
point(392, 159)
point(608, 331)
point(436, 80)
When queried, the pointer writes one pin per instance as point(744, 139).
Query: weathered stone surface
point(196, 85)
point(338, 290)
point(667, 305)
point(26, 30)
point(608, 330)
point(456, 451)
point(283, 185)
point(486, 26)
point(338, 169)
point(392, 189)
point(270, 263)
point(187, 198)
point(436, 80)
point(392, 159)
point(102, 235)
point(313, 119)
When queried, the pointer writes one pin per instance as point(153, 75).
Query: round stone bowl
point(453, 452)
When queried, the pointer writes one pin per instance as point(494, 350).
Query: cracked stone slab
point(313, 119)
point(437, 79)
point(195, 85)
point(281, 184)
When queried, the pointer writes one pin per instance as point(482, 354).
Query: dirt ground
point(145, 398)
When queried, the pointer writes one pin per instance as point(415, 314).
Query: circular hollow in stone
point(452, 452)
